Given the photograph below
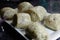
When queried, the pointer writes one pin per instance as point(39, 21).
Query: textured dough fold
point(53, 21)
point(24, 6)
point(37, 31)
point(21, 20)
point(37, 13)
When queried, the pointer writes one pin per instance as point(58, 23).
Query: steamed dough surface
point(9, 13)
point(5, 9)
point(53, 21)
point(37, 31)
point(37, 13)
point(23, 20)
point(24, 6)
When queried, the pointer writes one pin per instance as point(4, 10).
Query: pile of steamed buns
point(33, 19)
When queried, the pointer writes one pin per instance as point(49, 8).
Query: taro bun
point(37, 31)
point(37, 13)
point(21, 20)
point(52, 21)
point(9, 14)
point(5, 9)
point(24, 6)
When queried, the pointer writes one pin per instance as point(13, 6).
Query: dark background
point(50, 5)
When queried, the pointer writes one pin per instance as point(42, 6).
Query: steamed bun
point(21, 20)
point(24, 6)
point(52, 21)
point(37, 31)
point(37, 13)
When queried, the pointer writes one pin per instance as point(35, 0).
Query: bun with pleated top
point(37, 31)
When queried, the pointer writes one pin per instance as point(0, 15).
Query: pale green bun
point(21, 20)
point(24, 6)
point(9, 14)
point(37, 31)
point(52, 21)
point(37, 13)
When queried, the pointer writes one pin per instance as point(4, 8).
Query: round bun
point(37, 13)
point(9, 14)
point(52, 21)
point(2, 11)
point(21, 20)
point(37, 31)
point(5, 9)
point(24, 6)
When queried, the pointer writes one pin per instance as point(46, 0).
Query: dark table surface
point(5, 36)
